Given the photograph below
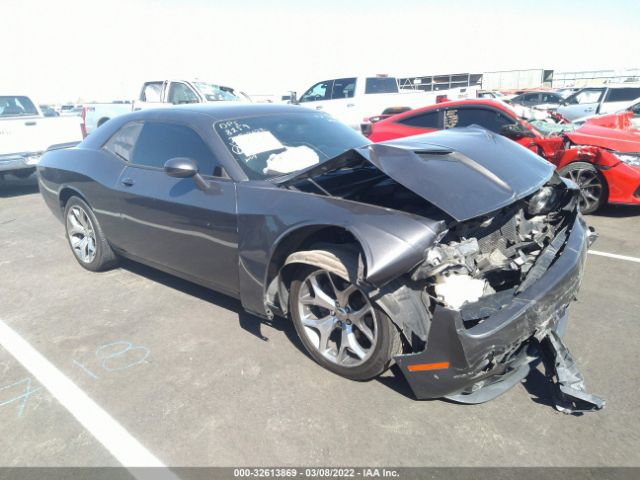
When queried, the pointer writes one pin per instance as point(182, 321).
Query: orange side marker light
point(420, 367)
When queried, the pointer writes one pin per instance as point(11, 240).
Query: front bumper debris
point(570, 394)
point(476, 364)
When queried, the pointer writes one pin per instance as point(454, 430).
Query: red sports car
point(603, 161)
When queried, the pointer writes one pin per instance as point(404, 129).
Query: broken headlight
point(629, 158)
point(544, 201)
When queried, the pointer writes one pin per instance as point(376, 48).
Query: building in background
point(433, 83)
point(517, 79)
point(595, 77)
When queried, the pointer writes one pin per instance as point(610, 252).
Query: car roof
point(226, 110)
point(456, 103)
point(202, 114)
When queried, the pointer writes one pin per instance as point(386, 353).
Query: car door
point(531, 99)
point(414, 124)
point(549, 98)
point(488, 118)
point(342, 104)
point(150, 96)
point(581, 104)
point(618, 98)
point(318, 96)
point(180, 93)
point(170, 222)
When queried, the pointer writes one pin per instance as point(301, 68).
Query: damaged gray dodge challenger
point(453, 254)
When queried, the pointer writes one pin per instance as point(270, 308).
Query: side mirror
point(515, 131)
point(182, 167)
point(293, 98)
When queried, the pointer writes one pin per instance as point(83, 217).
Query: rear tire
point(353, 338)
point(86, 238)
point(593, 186)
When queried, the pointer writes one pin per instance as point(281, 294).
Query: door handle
point(351, 104)
point(31, 123)
point(127, 182)
point(588, 109)
point(319, 107)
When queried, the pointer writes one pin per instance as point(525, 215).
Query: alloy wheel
point(338, 319)
point(591, 189)
point(81, 234)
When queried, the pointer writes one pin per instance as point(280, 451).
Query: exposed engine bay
point(496, 254)
point(490, 256)
point(475, 294)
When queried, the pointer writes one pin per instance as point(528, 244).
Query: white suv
point(598, 100)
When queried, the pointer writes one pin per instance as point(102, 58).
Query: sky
point(68, 50)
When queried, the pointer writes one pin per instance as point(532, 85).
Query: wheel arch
point(404, 305)
point(599, 169)
point(66, 193)
point(299, 239)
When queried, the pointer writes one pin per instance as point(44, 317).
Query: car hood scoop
point(465, 172)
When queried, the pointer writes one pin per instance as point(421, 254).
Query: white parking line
point(615, 255)
point(118, 441)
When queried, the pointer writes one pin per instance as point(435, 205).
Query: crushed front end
point(498, 288)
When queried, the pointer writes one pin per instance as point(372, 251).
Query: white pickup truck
point(158, 94)
point(353, 99)
point(25, 134)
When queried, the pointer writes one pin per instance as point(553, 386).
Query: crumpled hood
point(465, 172)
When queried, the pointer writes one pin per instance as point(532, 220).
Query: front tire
point(339, 326)
point(593, 186)
point(86, 239)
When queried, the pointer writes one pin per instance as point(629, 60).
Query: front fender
point(392, 242)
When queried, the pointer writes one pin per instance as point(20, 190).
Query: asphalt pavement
point(198, 382)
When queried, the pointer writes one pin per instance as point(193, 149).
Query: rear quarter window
point(381, 85)
point(423, 120)
point(622, 94)
point(122, 142)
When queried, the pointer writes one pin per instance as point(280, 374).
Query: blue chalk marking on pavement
point(129, 347)
point(86, 370)
point(24, 396)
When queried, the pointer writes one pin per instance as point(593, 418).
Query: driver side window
point(320, 91)
point(180, 93)
point(151, 92)
point(585, 96)
point(159, 142)
point(486, 118)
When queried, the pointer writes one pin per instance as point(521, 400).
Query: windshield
point(216, 93)
point(16, 106)
point(272, 145)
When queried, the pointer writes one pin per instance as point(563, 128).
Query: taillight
point(83, 125)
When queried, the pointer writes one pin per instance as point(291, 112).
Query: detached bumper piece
point(570, 392)
point(476, 364)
